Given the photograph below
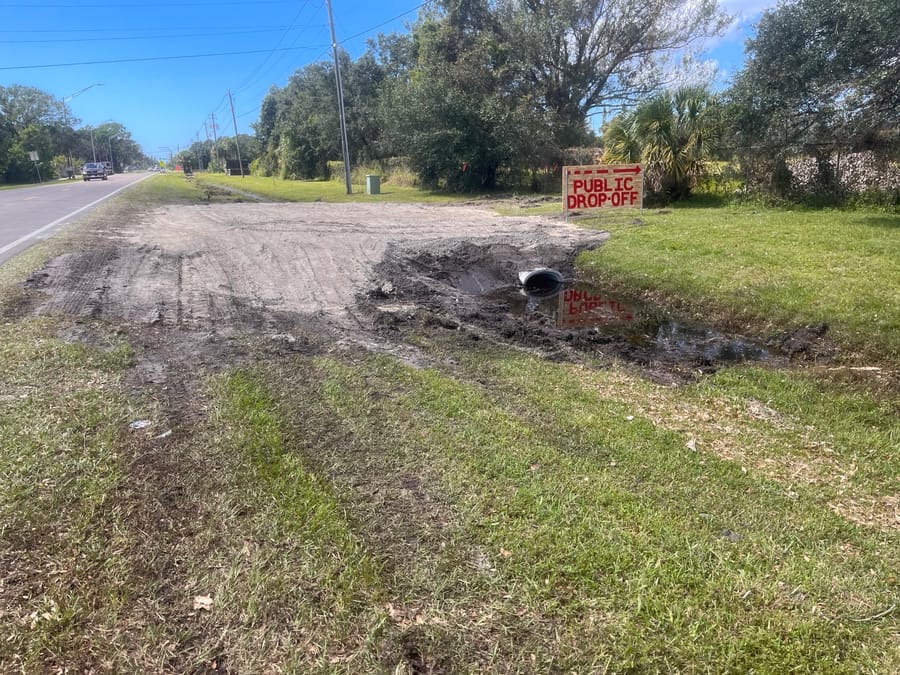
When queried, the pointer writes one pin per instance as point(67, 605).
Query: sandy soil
point(224, 267)
point(185, 280)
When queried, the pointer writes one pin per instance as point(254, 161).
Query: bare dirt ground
point(229, 267)
point(185, 281)
point(193, 277)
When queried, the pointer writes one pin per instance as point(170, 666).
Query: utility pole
point(206, 129)
point(236, 141)
point(340, 96)
point(112, 164)
point(65, 102)
point(215, 139)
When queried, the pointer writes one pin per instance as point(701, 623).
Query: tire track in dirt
point(236, 267)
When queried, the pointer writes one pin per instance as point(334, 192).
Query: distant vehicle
point(109, 168)
point(93, 170)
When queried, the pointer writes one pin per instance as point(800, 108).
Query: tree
point(505, 85)
point(113, 143)
point(481, 89)
point(33, 120)
point(299, 128)
point(576, 54)
point(451, 112)
point(673, 134)
point(28, 106)
point(820, 75)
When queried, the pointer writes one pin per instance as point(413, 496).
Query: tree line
point(31, 120)
point(481, 93)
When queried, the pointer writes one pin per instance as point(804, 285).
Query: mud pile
point(473, 287)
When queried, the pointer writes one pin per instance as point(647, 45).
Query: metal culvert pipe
point(542, 282)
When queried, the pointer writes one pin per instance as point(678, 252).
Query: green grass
point(63, 425)
point(591, 532)
point(165, 188)
point(498, 513)
point(328, 190)
point(767, 267)
point(349, 513)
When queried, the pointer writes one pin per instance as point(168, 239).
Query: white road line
point(33, 235)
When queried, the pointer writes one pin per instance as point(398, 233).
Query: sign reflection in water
point(643, 327)
point(586, 308)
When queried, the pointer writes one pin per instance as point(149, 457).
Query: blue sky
point(164, 101)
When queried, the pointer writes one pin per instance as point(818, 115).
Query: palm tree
point(673, 134)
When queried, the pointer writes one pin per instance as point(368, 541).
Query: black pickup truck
point(93, 170)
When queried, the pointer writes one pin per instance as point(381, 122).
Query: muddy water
point(587, 309)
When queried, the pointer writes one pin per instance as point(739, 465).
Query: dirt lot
point(227, 267)
point(191, 278)
point(185, 280)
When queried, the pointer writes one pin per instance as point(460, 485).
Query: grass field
point(340, 512)
point(767, 268)
point(323, 190)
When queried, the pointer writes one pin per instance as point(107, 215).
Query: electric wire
point(119, 5)
point(140, 37)
point(133, 29)
point(144, 59)
point(384, 23)
point(261, 72)
point(249, 79)
point(205, 55)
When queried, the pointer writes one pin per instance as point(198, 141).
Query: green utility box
point(373, 184)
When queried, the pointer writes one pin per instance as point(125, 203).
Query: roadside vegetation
point(321, 190)
point(765, 268)
point(335, 511)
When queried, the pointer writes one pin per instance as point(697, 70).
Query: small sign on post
point(33, 155)
point(602, 187)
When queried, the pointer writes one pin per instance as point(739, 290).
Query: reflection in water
point(587, 307)
point(673, 336)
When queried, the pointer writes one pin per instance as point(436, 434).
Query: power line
point(142, 37)
point(249, 79)
point(249, 84)
point(133, 29)
point(157, 58)
point(383, 23)
point(119, 5)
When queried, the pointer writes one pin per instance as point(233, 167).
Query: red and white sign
point(616, 186)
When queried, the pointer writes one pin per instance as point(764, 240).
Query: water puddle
point(584, 308)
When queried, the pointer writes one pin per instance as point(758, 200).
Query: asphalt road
point(33, 213)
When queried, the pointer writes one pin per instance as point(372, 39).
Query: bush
point(393, 170)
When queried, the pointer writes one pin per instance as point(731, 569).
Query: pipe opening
point(543, 282)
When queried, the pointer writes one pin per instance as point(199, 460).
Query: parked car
point(109, 168)
point(93, 170)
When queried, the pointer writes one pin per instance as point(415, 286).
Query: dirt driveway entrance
point(227, 267)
